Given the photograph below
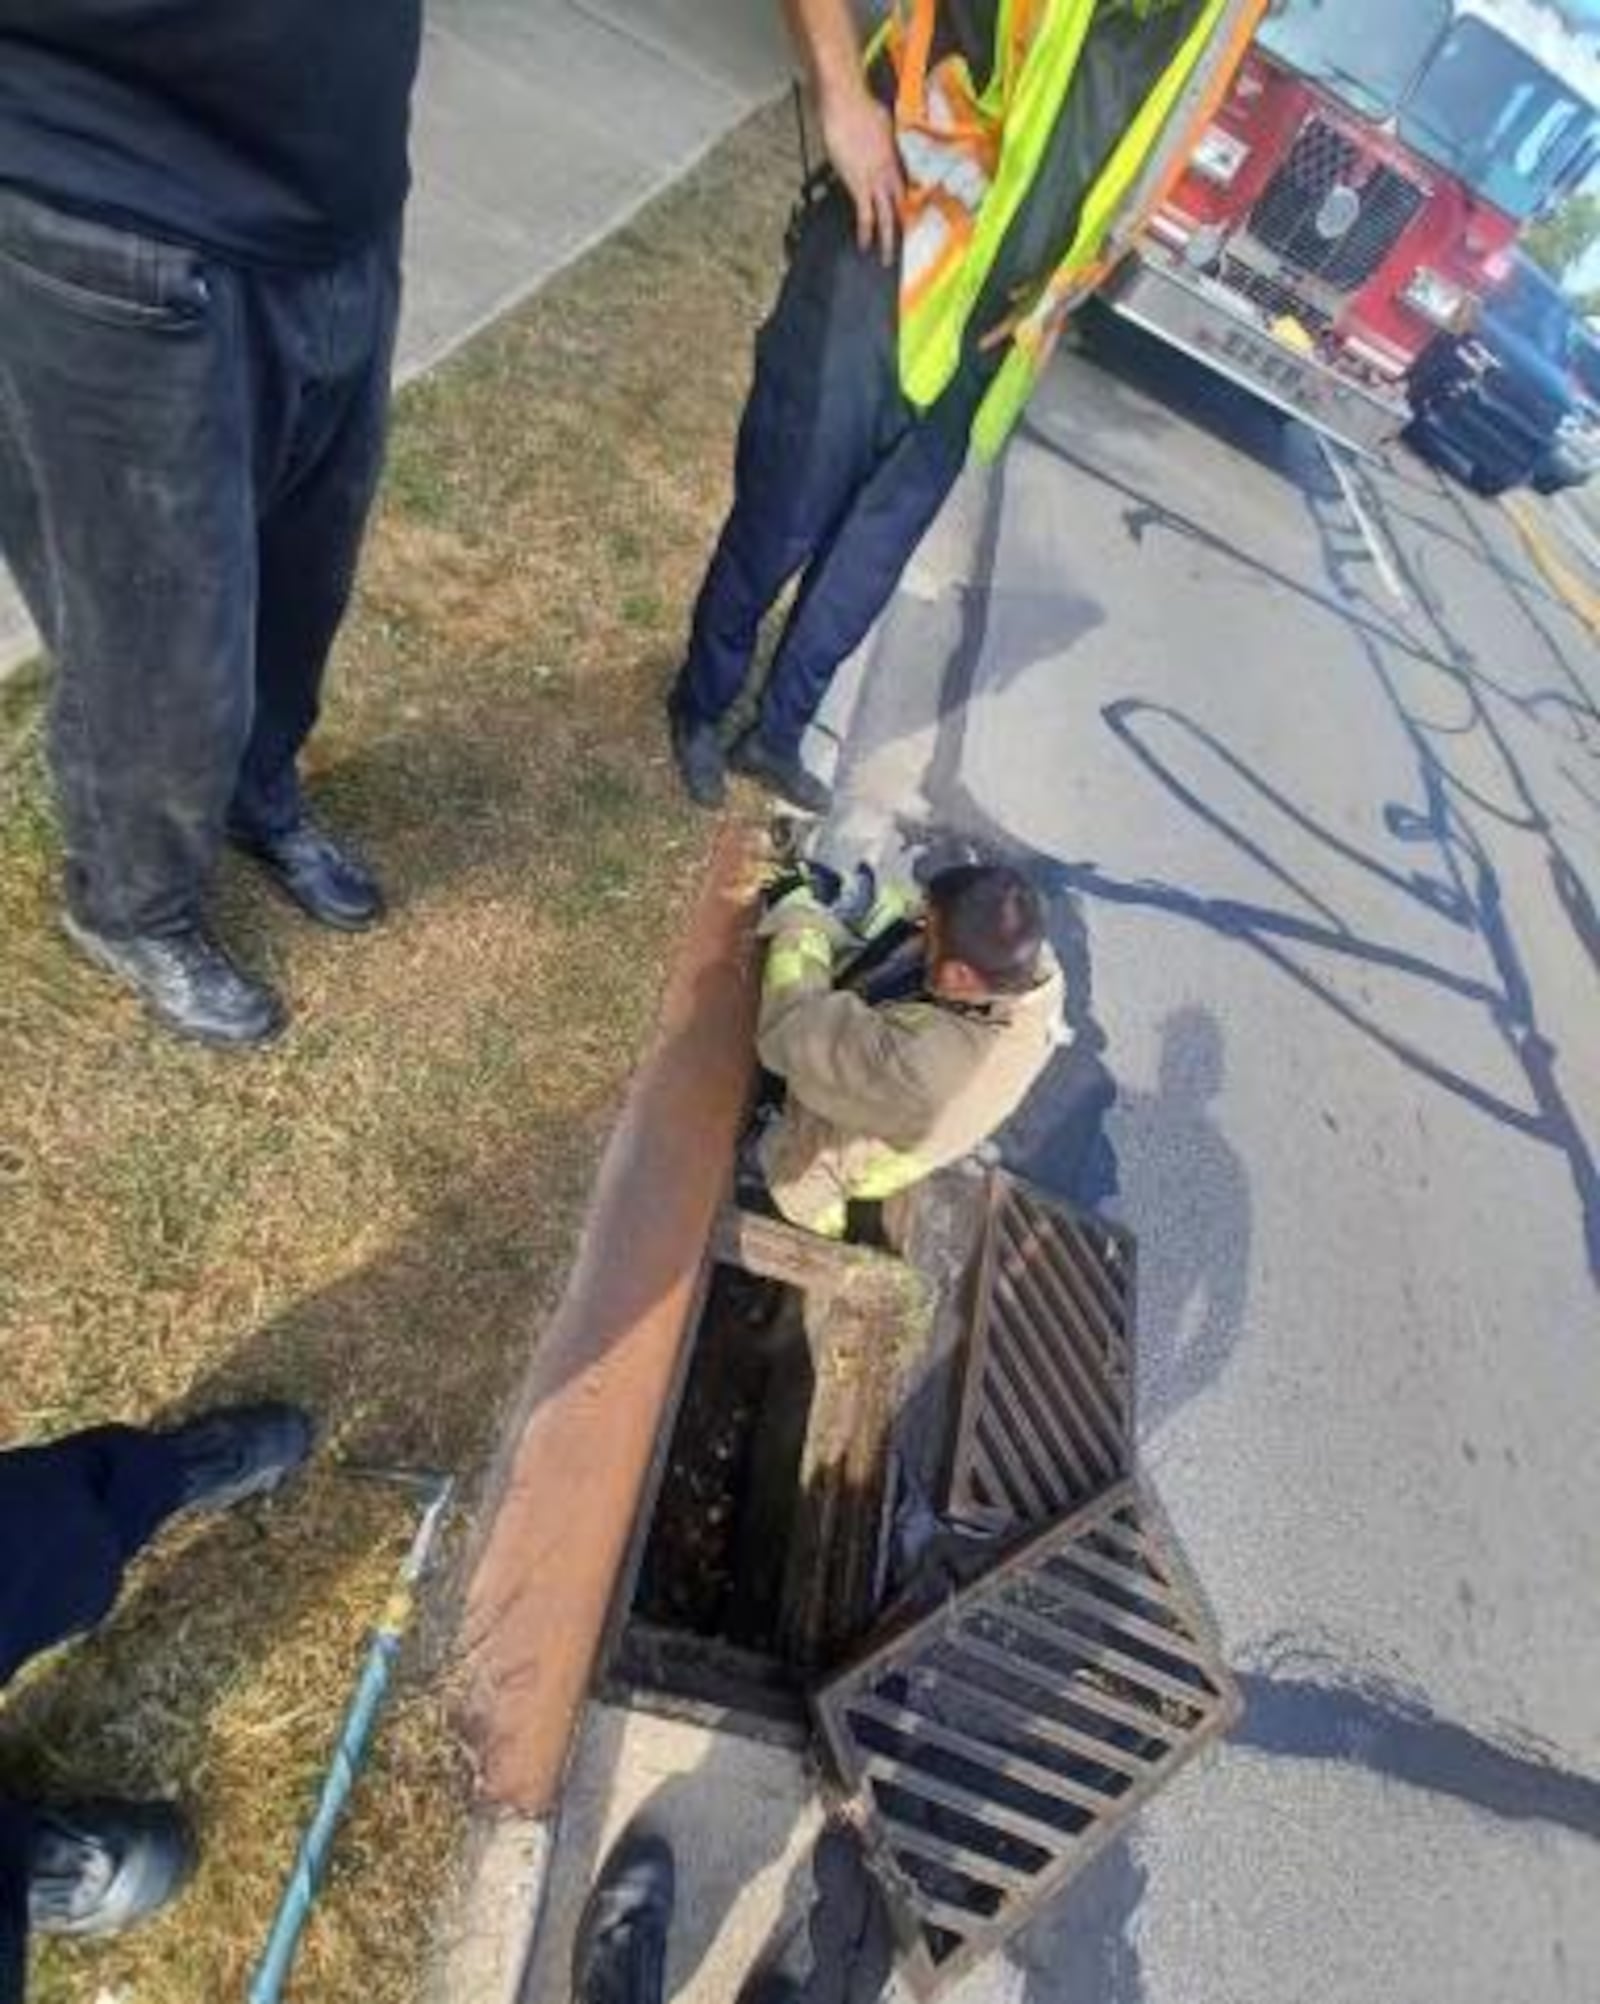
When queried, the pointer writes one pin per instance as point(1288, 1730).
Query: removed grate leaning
point(996, 1745)
point(1046, 1417)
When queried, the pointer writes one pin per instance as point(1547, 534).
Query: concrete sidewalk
point(540, 126)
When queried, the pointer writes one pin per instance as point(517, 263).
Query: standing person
point(74, 1514)
point(978, 158)
point(199, 281)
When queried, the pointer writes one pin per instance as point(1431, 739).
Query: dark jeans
point(837, 477)
point(188, 452)
point(72, 1515)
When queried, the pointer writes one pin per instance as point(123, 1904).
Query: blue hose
point(355, 1736)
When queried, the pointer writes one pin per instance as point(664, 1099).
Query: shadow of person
point(1081, 1949)
point(1186, 1194)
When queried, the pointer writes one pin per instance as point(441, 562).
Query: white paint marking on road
point(1371, 535)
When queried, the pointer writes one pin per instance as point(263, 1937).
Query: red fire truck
point(1359, 191)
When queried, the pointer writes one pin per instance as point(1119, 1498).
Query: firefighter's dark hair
point(991, 918)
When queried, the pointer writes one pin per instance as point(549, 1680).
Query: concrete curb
point(487, 1949)
point(542, 1589)
point(573, 1475)
point(427, 359)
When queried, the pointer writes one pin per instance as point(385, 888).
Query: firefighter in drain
point(896, 1062)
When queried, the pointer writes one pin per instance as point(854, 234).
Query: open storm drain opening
point(759, 1565)
point(901, 1502)
point(996, 1745)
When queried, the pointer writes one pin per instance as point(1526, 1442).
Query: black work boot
point(781, 773)
point(187, 982)
point(99, 1867)
point(326, 880)
point(621, 1951)
point(237, 1452)
point(697, 751)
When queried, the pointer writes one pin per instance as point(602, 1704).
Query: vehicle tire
point(1490, 485)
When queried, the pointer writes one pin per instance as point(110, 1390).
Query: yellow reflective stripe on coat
point(890, 1173)
point(972, 159)
point(886, 1176)
point(1034, 339)
point(831, 1223)
point(794, 957)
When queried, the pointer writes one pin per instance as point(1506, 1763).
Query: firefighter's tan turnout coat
point(881, 1096)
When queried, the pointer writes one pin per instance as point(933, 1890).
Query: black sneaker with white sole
point(187, 982)
point(234, 1453)
point(99, 1867)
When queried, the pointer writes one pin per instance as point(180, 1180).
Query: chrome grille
point(1291, 217)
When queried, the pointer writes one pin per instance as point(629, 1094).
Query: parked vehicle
point(1358, 193)
point(1574, 458)
point(1586, 365)
point(1504, 406)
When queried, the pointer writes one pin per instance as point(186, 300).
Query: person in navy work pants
point(199, 279)
point(73, 1514)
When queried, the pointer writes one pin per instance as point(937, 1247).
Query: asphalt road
point(1309, 756)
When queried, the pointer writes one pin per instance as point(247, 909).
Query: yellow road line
point(1580, 596)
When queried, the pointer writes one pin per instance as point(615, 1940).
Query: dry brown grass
point(375, 1217)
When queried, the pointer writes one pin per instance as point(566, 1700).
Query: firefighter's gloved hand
point(891, 905)
point(824, 885)
point(796, 906)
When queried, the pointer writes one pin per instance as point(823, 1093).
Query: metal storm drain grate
point(998, 1744)
point(1046, 1419)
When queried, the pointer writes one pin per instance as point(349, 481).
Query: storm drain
point(1046, 1416)
point(758, 1565)
point(998, 1744)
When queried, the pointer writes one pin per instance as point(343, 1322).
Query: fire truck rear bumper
point(1218, 328)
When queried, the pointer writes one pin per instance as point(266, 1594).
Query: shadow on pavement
point(1088, 1137)
point(1084, 1950)
point(1458, 883)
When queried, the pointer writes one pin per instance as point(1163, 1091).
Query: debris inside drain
point(714, 1565)
point(762, 1564)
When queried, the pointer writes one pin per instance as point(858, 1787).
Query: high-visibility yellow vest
point(972, 159)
